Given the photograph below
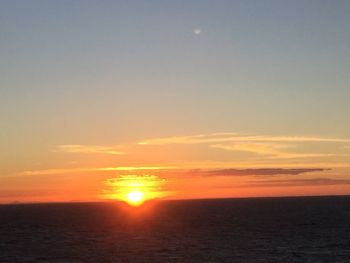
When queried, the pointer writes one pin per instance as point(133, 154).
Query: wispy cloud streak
point(236, 137)
point(272, 150)
point(88, 149)
point(271, 147)
point(95, 169)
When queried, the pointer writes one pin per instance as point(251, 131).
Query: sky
point(189, 99)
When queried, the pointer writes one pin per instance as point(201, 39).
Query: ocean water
point(313, 229)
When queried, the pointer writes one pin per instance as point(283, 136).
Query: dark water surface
point(313, 229)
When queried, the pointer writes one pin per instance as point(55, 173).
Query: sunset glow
point(135, 198)
point(134, 189)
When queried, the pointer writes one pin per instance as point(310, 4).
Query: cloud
point(56, 171)
point(270, 147)
point(88, 149)
point(27, 193)
point(272, 150)
point(172, 170)
point(299, 182)
point(236, 137)
point(262, 171)
point(260, 148)
point(136, 168)
point(192, 139)
point(233, 172)
point(95, 169)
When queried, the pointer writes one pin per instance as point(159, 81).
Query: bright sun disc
point(135, 198)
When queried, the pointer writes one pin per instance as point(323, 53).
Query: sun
point(135, 189)
point(135, 198)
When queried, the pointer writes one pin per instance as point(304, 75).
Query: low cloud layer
point(299, 182)
point(263, 171)
point(233, 172)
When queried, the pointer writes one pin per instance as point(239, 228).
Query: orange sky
point(184, 167)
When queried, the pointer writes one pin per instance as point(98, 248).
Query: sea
point(298, 229)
